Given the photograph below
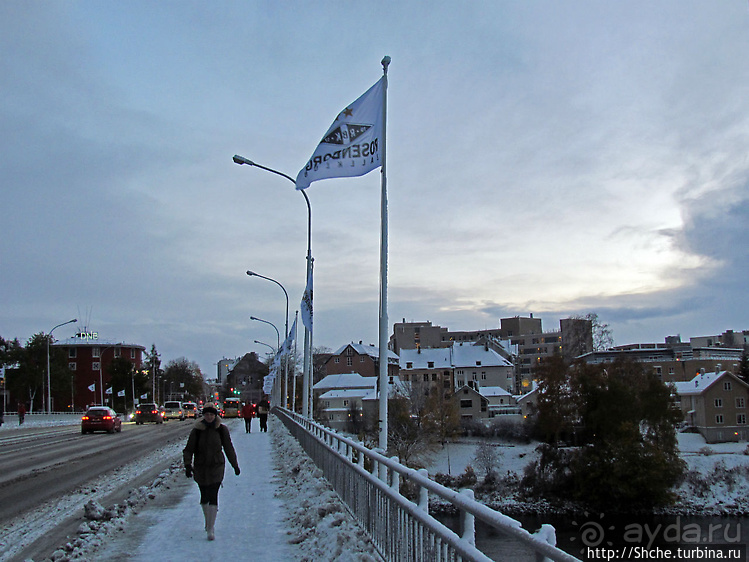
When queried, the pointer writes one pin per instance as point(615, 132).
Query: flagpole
point(383, 324)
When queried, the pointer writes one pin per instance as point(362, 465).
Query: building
point(715, 404)
point(471, 405)
point(360, 358)
point(88, 359)
point(520, 340)
point(480, 366)
point(673, 360)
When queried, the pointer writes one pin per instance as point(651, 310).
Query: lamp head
point(242, 160)
point(251, 273)
point(253, 318)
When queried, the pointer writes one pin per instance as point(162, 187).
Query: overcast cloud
point(544, 157)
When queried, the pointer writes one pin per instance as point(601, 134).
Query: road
point(44, 467)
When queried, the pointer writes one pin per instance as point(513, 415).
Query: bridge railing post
point(468, 521)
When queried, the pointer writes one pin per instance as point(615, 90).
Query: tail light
point(84, 418)
point(106, 417)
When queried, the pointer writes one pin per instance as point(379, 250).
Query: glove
point(188, 471)
point(236, 470)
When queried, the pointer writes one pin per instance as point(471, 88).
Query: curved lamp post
point(307, 369)
point(49, 376)
point(278, 334)
point(286, 363)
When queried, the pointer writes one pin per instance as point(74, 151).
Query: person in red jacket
point(248, 412)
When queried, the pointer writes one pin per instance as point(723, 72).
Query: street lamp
point(286, 363)
point(278, 334)
point(272, 349)
point(49, 377)
point(306, 410)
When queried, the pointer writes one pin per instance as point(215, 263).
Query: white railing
point(368, 483)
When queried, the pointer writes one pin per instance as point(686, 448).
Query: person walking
point(248, 412)
point(205, 461)
point(21, 413)
point(2, 412)
point(263, 407)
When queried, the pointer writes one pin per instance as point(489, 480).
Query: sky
point(554, 158)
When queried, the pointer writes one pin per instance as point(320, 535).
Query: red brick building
point(88, 358)
point(360, 358)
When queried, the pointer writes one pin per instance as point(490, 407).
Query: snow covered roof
point(468, 354)
point(346, 393)
point(370, 350)
point(701, 383)
point(491, 391)
point(345, 381)
point(460, 355)
point(430, 358)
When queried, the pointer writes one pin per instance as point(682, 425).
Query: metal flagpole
point(383, 442)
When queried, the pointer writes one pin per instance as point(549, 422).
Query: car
point(173, 410)
point(100, 418)
point(191, 409)
point(148, 412)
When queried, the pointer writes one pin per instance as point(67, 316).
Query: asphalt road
point(40, 465)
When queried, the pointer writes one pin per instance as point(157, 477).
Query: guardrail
point(369, 483)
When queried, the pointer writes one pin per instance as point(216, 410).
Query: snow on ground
point(278, 508)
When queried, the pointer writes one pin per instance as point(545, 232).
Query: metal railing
point(369, 485)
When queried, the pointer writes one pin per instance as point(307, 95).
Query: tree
point(152, 365)
point(405, 438)
point(743, 373)
point(603, 337)
point(629, 457)
point(487, 458)
point(29, 379)
point(442, 419)
point(555, 408)
point(184, 377)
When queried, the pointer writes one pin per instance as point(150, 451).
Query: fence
point(369, 484)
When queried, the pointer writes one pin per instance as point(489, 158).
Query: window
point(132, 354)
point(483, 375)
point(466, 403)
point(740, 419)
point(430, 364)
point(337, 360)
point(727, 385)
point(345, 402)
point(434, 376)
point(96, 352)
point(426, 377)
point(95, 366)
point(361, 359)
point(349, 361)
point(718, 402)
point(478, 363)
point(71, 365)
point(72, 352)
point(349, 352)
point(740, 402)
point(409, 365)
point(117, 351)
point(719, 418)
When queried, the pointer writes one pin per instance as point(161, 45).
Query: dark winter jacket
point(205, 451)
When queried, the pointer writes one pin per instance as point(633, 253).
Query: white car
point(173, 410)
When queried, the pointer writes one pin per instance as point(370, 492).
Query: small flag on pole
point(144, 396)
point(351, 146)
point(307, 303)
point(286, 347)
point(121, 393)
point(92, 387)
point(108, 391)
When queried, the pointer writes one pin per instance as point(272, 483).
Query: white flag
point(289, 341)
point(92, 387)
point(351, 146)
point(121, 393)
point(307, 303)
point(144, 396)
point(108, 391)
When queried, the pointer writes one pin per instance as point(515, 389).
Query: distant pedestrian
point(248, 412)
point(204, 461)
point(2, 412)
point(21, 413)
point(263, 407)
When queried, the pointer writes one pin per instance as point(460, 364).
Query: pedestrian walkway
point(249, 525)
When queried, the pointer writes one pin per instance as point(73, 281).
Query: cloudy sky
point(544, 157)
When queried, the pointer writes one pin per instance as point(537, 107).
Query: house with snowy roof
point(715, 404)
point(338, 399)
point(360, 358)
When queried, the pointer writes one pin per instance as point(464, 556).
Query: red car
point(100, 418)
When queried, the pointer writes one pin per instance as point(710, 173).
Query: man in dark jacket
point(263, 407)
point(204, 461)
